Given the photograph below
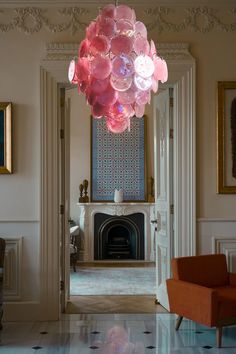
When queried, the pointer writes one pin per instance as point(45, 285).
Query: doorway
point(115, 276)
point(53, 71)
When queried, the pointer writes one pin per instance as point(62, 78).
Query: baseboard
point(115, 263)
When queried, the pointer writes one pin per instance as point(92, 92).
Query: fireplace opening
point(119, 242)
point(119, 237)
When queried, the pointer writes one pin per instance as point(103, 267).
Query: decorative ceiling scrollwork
point(30, 20)
point(197, 19)
point(39, 18)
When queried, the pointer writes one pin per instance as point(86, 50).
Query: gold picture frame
point(5, 137)
point(226, 137)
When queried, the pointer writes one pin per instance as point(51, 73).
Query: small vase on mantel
point(118, 196)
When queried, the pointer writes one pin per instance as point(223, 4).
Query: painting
point(226, 137)
point(118, 161)
point(5, 138)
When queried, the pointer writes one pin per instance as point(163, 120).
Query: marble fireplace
point(116, 231)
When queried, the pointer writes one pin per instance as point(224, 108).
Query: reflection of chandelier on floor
point(117, 67)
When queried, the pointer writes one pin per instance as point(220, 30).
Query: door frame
point(53, 71)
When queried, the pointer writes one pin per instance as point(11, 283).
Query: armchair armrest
point(193, 301)
point(232, 279)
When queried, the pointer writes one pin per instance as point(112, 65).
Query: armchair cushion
point(207, 270)
point(232, 279)
point(226, 302)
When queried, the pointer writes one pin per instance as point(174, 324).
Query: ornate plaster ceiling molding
point(30, 20)
point(66, 51)
point(196, 19)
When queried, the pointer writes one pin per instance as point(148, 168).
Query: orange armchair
point(204, 291)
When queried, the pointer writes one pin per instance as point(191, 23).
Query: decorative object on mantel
point(117, 67)
point(85, 184)
point(81, 189)
point(118, 196)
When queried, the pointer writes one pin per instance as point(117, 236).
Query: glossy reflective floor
point(113, 334)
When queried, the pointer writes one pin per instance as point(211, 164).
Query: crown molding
point(127, 2)
point(66, 51)
point(75, 19)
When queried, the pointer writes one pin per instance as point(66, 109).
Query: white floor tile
point(113, 334)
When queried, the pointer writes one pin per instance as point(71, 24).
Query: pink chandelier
point(117, 67)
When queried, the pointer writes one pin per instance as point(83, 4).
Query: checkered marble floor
point(113, 334)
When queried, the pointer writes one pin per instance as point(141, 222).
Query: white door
point(64, 199)
point(163, 172)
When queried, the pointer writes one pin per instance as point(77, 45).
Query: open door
point(64, 199)
point(164, 207)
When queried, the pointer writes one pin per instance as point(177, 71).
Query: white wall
point(79, 147)
point(20, 59)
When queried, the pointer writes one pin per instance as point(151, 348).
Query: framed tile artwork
point(118, 161)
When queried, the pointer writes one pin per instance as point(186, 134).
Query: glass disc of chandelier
point(125, 12)
point(153, 51)
point(141, 46)
point(99, 45)
point(91, 97)
point(143, 97)
point(139, 110)
point(72, 72)
point(101, 67)
point(98, 110)
point(161, 71)
point(122, 66)
point(120, 111)
point(107, 27)
point(117, 126)
point(83, 69)
point(108, 97)
point(124, 27)
point(92, 30)
point(121, 45)
point(128, 96)
point(108, 11)
point(99, 86)
point(84, 48)
point(154, 85)
point(121, 84)
point(144, 66)
point(140, 29)
point(141, 83)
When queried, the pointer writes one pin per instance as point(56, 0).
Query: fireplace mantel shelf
point(113, 203)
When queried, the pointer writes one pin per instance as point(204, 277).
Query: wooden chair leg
point(219, 336)
point(178, 322)
point(74, 264)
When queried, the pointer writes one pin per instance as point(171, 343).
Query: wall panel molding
point(202, 19)
point(218, 235)
point(19, 221)
point(210, 220)
point(12, 269)
point(228, 247)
